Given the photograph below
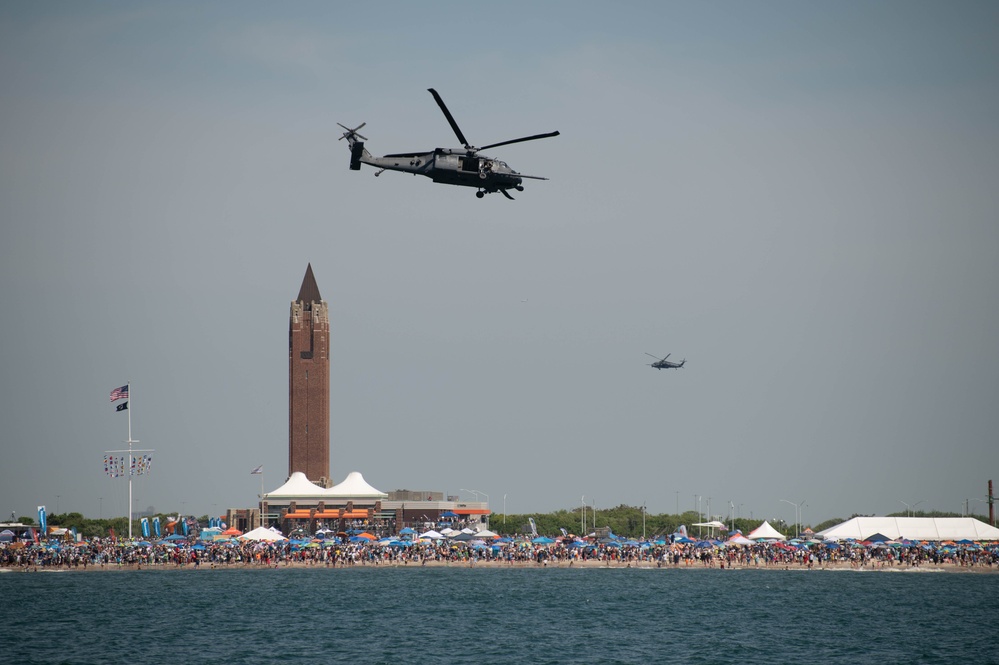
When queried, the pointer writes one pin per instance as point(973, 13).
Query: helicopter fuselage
point(451, 167)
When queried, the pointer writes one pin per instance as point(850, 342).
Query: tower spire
point(309, 292)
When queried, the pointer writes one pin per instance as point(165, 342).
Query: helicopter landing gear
point(479, 194)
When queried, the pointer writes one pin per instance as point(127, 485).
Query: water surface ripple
point(475, 615)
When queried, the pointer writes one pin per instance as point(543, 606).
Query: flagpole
point(131, 451)
point(129, 391)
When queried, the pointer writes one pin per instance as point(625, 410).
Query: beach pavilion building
point(355, 505)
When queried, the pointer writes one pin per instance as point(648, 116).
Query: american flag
point(258, 471)
point(119, 393)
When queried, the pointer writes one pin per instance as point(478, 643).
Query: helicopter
point(448, 166)
point(662, 363)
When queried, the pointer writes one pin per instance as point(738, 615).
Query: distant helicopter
point(662, 363)
point(458, 166)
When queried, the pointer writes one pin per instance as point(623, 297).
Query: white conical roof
point(354, 485)
point(297, 485)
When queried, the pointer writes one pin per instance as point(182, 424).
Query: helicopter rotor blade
point(520, 140)
point(352, 132)
point(450, 119)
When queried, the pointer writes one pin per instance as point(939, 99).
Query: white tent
point(765, 532)
point(262, 533)
point(738, 539)
point(432, 535)
point(912, 528)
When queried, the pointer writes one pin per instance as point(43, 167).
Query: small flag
point(119, 393)
point(259, 470)
point(122, 407)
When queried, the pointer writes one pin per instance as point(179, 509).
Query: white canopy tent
point(912, 528)
point(432, 535)
point(765, 532)
point(262, 533)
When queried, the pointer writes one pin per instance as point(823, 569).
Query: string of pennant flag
point(115, 466)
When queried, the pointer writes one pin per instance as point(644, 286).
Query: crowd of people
point(106, 553)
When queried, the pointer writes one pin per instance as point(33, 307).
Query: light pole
point(797, 520)
point(504, 511)
point(907, 509)
point(967, 501)
point(582, 516)
point(643, 520)
point(470, 492)
point(699, 518)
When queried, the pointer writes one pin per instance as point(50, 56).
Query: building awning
point(472, 511)
point(327, 515)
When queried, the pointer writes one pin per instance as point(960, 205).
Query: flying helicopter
point(449, 166)
point(662, 363)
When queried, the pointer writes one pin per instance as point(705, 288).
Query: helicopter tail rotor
point(351, 134)
point(357, 151)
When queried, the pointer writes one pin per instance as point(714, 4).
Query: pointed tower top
point(310, 290)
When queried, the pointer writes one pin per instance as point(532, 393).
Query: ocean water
point(486, 615)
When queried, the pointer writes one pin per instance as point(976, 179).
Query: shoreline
point(947, 568)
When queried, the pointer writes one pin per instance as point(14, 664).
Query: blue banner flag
point(145, 527)
point(42, 522)
point(156, 526)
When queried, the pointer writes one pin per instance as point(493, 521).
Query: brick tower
point(309, 384)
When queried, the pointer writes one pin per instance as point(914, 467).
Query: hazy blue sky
point(798, 198)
